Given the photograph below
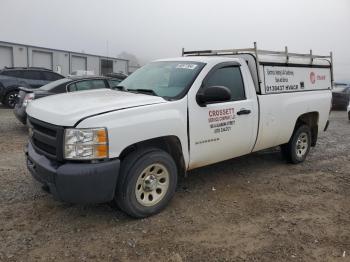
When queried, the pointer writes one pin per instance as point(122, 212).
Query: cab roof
point(202, 59)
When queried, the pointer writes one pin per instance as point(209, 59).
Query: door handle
point(243, 112)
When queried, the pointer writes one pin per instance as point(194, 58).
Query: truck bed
point(279, 112)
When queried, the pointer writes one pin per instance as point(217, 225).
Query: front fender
point(134, 125)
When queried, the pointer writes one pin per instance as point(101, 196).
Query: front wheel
point(147, 182)
point(298, 147)
point(10, 99)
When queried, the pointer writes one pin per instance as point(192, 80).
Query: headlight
point(28, 98)
point(85, 144)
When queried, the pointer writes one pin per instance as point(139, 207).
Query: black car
point(340, 97)
point(70, 84)
point(11, 78)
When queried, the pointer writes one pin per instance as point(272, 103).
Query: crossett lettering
point(221, 112)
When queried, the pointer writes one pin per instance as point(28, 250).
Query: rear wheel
point(10, 99)
point(298, 147)
point(147, 182)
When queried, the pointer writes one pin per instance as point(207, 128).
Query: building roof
point(61, 50)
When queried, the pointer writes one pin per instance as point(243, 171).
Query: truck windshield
point(168, 79)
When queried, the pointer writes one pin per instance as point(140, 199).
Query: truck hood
point(67, 109)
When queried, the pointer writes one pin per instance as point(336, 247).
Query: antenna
point(107, 49)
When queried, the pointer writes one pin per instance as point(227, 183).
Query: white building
point(60, 61)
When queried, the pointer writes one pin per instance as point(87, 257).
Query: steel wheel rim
point(302, 144)
point(152, 185)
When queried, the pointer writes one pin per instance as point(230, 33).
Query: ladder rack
point(258, 52)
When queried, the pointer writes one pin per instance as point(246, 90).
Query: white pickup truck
point(174, 115)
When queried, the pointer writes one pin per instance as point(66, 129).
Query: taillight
point(28, 98)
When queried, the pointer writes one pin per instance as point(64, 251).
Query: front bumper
point(75, 182)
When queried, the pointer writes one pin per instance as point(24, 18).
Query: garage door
point(120, 67)
point(42, 59)
point(106, 66)
point(78, 63)
point(5, 56)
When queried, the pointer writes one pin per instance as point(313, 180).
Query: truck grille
point(46, 138)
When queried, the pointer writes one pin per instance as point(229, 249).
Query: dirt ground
point(254, 208)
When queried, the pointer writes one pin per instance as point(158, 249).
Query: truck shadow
point(231, 171)
point(244, 166)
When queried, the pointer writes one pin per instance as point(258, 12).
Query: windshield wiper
point(144, 91)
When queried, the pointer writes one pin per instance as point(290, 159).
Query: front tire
point(298, 147)
point(147, 182)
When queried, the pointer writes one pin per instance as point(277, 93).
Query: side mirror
point(213, 94)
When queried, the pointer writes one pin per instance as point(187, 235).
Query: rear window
point(87, 85)
point(113, 83)
point(50, 76)
point(12, 73)
point(33, 75)
point(54, 84)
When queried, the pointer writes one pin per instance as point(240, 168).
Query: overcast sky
point(153, 29)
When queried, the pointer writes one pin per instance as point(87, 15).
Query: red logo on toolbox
point(312, 77)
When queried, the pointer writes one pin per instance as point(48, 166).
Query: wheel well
point(10, 89)
point(310, 119)
point(170, 144)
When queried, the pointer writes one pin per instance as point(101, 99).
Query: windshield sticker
point(186, 66)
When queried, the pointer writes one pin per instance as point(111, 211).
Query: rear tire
point(298, 147)
point(10, 99)
point(147, 182)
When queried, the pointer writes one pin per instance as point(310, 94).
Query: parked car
point(11, 78)
point(120, 76)
point(70, 84)
point(174, 115)
point(341, 97)
point(82, 73)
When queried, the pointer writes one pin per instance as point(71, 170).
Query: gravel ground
point(253, 208)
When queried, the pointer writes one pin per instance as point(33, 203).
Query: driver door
point(222, 130)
